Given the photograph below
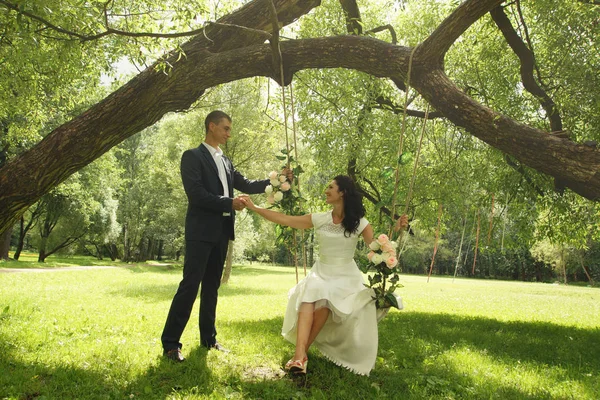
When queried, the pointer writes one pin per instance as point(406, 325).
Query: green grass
point(94, 334)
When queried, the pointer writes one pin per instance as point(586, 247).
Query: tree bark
point(228, 264)
point(227, 56)
point(5, 244)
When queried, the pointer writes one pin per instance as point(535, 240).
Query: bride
point(331, 308)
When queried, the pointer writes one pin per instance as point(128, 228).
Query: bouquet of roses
point(279, 185)
point(383, 262)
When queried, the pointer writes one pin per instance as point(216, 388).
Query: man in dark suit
point(208, 179)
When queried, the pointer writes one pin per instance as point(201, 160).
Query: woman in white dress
point(331, 308)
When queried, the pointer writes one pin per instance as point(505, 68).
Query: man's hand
point(401, 223)
point(247, 202)
point(237, 204)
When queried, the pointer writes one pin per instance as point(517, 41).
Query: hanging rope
point(401, 141)
point(476, 244)
point(297, 180)
point(414, 173)
point(462, 237)
point(278, 59)
point(435, 246)
point(491, 222)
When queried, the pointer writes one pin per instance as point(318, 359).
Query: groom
point(208, 179)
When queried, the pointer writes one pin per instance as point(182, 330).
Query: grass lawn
point(30, 260)
point(94, 334)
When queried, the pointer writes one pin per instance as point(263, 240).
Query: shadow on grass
point(417, 360)
point(245, 270)
point(157, 292)
point(538, 342)
point(415, 344)
point(32, 380)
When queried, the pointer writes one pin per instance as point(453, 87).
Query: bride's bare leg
point(319, 318)
point(304, 327)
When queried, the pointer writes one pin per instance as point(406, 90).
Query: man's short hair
point(215, 117)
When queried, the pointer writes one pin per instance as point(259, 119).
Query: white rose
point(374, 245)
point(275, 182)
point(282, 178)
point(394, 245)
point(377, 259)
point(278, 196)
point(270, 199)
point(269, 189)
point(272, 175)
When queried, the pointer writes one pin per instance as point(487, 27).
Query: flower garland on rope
point(281, 192)
point(383, 262)
point(383, 266)
point(284, 194)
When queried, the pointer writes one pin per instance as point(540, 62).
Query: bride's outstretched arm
point(294, 221)
point(367, 234)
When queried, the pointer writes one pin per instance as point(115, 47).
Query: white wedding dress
point(349, 337)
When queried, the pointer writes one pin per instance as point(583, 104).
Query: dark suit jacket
point(206, 202)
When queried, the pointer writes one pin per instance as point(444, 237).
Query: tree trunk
point(21, 241)
point(42, 250)
point(126, 249)
point(161, 244)
point(210, 62)
point(112, 250)
point(98, 251)
point(5, 244)
point(228, 264)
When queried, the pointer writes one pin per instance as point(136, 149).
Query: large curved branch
point(136, 105)
point(143, 100)
point(434, 48)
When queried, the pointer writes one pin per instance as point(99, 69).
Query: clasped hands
point(243, 201)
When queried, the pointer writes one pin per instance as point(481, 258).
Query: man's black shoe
point(174, 355)
point(217, 346)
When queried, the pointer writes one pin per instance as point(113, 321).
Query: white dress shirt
point(217, 155)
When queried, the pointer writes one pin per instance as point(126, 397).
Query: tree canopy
point(514, 76)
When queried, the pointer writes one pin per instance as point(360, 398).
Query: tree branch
point(434, 48)
point(523, 172)
point(385, 103)
point(527, 59)
point(385, 28)
point(353, 19)
point(108, 31)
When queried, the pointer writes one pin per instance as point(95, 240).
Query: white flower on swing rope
point(271, 199)
point(282, 178)
point(285, 186)
point(272, 175)
point(278, 196)
point(269, 189)
point(377, 258)
point(275, 183)
point(374, 245)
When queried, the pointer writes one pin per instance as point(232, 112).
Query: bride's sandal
point(297, 367)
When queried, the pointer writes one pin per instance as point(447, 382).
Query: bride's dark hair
point(353, 206)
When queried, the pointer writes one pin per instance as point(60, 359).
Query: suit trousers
point(203, 263)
